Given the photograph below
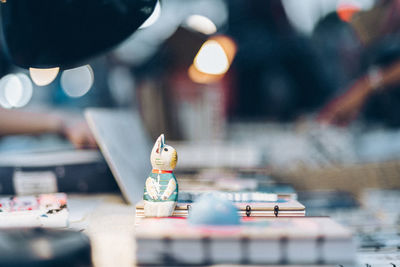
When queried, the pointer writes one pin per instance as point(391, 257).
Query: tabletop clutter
point(215, 217)
point(213, 226)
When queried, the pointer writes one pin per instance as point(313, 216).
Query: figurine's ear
point(162, 140)
point(159, 143)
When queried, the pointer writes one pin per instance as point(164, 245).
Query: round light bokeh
point(42, 77)
point(15, 90)
point(78, 81)
point(201, 24)
point(27, 90)
point(3, 82)
point(211, 58)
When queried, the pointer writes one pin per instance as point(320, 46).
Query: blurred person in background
point(277, 74)
point(14, 122)
point(281, 74)
point(372, 48)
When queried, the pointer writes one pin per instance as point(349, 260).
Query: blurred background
point(302, 94)
point(293, 85)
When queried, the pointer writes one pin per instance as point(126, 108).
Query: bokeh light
point(78, 81)
point(211, 58)
point(346, 10)
point(3, 83)
point(42, 77)
point(200, 77)
point(227, 44)
point(15, 90)
point(12, 89)
point(27, 90)
point(153, 17)
point(201, 24)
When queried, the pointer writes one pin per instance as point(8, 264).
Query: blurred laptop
point(125, 146)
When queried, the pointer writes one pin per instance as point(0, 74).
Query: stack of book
point(249, 204)
point(301, 240)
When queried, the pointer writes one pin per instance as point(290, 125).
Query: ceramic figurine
point(161, 189)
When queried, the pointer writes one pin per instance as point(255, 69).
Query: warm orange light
point(346, 11)
point(213, 60)
point(227, 44)
point(201, 77)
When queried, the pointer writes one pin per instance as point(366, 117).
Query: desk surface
point(109, 223)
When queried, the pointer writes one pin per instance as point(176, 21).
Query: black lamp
point(66, 33)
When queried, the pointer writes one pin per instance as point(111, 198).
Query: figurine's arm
point(151, 188)
point(170, 189)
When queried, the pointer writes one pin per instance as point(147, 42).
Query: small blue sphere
point(211, 209)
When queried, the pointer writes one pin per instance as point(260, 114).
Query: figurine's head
point(163, 157)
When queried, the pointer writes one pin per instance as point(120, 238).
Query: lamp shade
point(66, 33)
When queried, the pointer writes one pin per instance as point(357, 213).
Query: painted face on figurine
point(163, 157)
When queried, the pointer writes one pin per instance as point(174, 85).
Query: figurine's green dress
point(164, 180)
